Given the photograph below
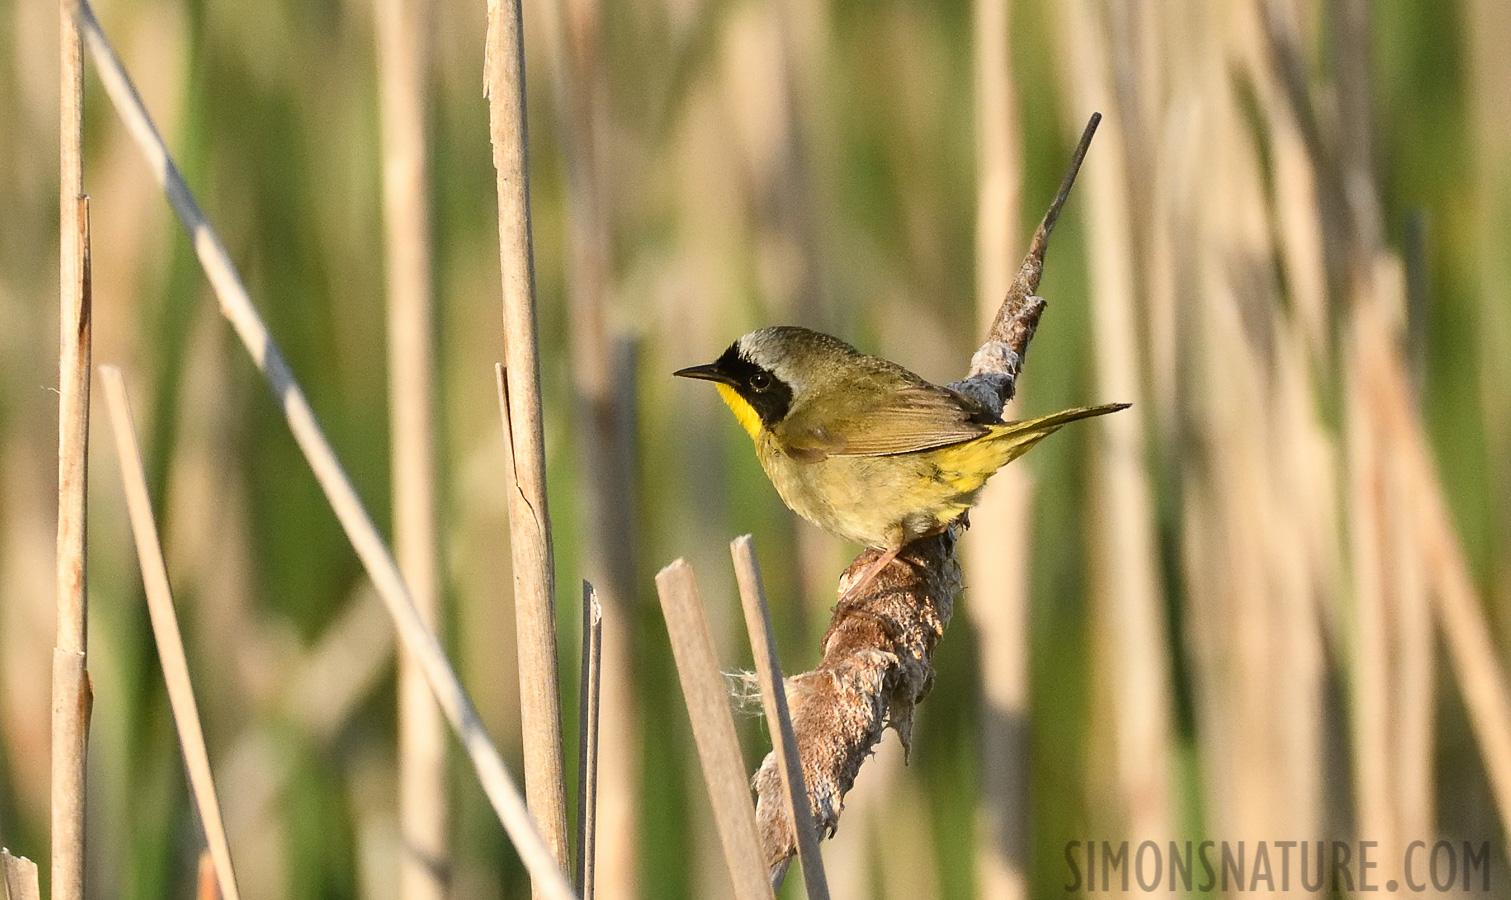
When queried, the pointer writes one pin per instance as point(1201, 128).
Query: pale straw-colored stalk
point(170, 644)
point(403, 34)
point(529, 519)
point(707, 701)
point(70, 682)
point(778, 718)
point(1125, 583)
point(587, 739)
point(20, 877)
point(996, 547)
point(237, 306)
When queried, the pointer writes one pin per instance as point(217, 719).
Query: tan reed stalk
point(529, 519)
point(1125, 577)
point(207, 887)
point(237, 306)
point(170, 645)
point(996, 548)
point(1471, 650)
point(587, 738)
point(778, 719)
point(713, 729)
point(20, 877)
point(70, 687)
point(403, 33)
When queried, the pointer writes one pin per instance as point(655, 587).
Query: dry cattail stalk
point(713, 729)
point(170, 644)
point(237, 306)
point(403, 32)
point(587, 738)
point(70, 699)
point(996, 548)
point(778, 718)
point(876, 664)
point(20, 877)
point(529, 519)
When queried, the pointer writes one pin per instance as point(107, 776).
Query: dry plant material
point(876, 664)
point(402, 35)
point(170, 644)
point(587, 738)
point(714, 730)
point(208, 887)
point(20, 877)
point(416, 637)
point(778, 719)
point(529, 521)
point(70, 688)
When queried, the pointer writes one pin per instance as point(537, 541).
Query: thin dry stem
point(70, 700)
point(529, 520)
point(1125, 564)
point(996, 547)
point(170, 645)
point(403, 32)
point(20, 877)
point(208, 887)
point(1460, 614)
point(714, 730)
point(799, 814)
point(237, 306)
point(876, 666)
point(587, 738)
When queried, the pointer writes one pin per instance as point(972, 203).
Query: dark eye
point(760, 382)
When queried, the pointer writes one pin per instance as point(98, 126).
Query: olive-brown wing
point(904, 416)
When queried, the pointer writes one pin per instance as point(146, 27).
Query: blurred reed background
point(1271, 602)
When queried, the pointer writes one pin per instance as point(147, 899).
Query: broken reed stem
point(876, 665)
point(529, 521)
point(70, 684)
point(1019, 314)
point(236, 305)
point(402, 35)
point(20, 877)
point(587, 738)
point(779, 722)
point(170, 645)
point(713, 730)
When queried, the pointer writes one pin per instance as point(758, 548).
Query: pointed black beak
point(709, 372)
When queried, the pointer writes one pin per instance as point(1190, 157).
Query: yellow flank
point(743, 411)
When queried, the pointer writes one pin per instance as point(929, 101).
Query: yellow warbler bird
point(860, 446)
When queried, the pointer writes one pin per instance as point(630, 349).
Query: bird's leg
point(853, 593)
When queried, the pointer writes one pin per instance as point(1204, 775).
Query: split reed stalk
point(778, 718)
point(996, 547)
point(237, 306)
point(713, 730)
point(587, 739)
point(20, 877)
point(70, 683)
point(403, 32)
point(170, 644)
point(529, 519)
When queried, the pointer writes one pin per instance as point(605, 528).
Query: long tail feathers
point(1020, 436)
